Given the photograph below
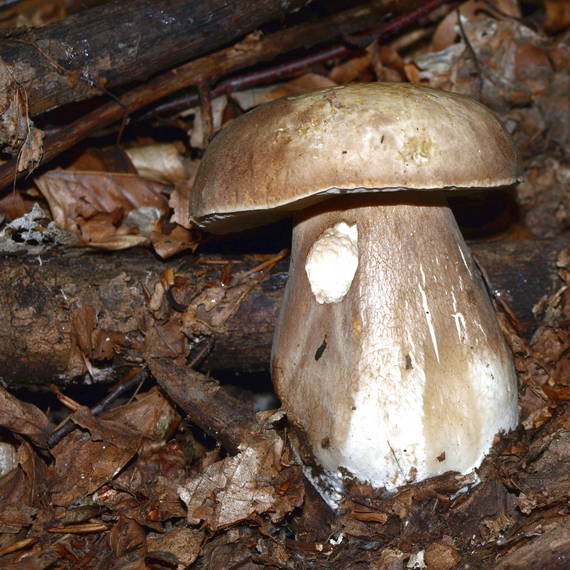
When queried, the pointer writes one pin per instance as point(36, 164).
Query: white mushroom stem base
point(408, 375)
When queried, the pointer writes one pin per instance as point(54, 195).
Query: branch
point(103, 313)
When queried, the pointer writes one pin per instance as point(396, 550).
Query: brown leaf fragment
point(557, 15)
point(241, 487)
point(545, 481)
point(90, 458)
point(163, 162)
point(173, 240)
point(128, 542)
point(150, 414)
point(18, 135)
point(107, 210)
point(15, 516)
point(439, 556)
point(89, 464)
point(106, 159)
point(390, 559)
point(24, 419)
point(166, 340)
point(184, 544)
point(32, 149)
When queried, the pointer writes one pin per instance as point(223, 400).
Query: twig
point(396, 459)
point(393, 26)
point(68, 425)
point(478, 69)
point(268, 263)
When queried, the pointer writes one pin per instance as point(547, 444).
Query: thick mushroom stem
point(408, 375)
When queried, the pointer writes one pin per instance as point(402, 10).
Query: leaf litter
point(142, 486)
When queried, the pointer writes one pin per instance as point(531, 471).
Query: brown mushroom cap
point(295, 151)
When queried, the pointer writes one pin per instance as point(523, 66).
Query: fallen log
point(97, 313)
point(123, 42)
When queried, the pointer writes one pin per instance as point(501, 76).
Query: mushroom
point(387, 355)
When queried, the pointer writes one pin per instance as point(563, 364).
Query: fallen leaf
point(184, 544)
point(128, 542)
point(241, 487)
point(23, 418)
point(107, 210)
point(18, 135)
point(440, 556)
point(163, 162)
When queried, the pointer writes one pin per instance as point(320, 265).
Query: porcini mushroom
point(387, 354)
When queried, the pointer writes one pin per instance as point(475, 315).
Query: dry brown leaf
point(447, 31)
point(173, 240)
point(18, 135)
point(165, 340)
point(128, 542)
point(94, 457)
point(107, 210)
point(89, 464)
point(150, 414)
point(106, 159)
point(198, 134)
point(557, 15)
point(14, 516)
point(163, 162)
point(350, 70)
point(23, 418)
point(13, 206)
point(32, 149)
point(440, 556)
point(184, 544)
point(305, 83)
point(180, 202)
point(244, 486)
point(24, 488)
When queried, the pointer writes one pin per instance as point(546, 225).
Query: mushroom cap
point(295, 151)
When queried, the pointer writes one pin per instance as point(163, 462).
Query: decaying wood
point(121, 42)
point(65, 316)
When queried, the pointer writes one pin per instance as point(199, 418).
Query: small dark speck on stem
point(321, 349)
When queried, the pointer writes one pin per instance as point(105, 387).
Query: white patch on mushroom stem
point(481, 329)
point(429, 320)
point(332, 262)
point(411, 353)
point(459, 319)
point(423, 276)
point(459, 324)
point(464, 260)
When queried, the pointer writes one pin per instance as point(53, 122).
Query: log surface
point(63, 315)
point(122, 42)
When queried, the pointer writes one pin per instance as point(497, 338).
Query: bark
point(210, 407)
point(122, 42)
point(63, 316)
